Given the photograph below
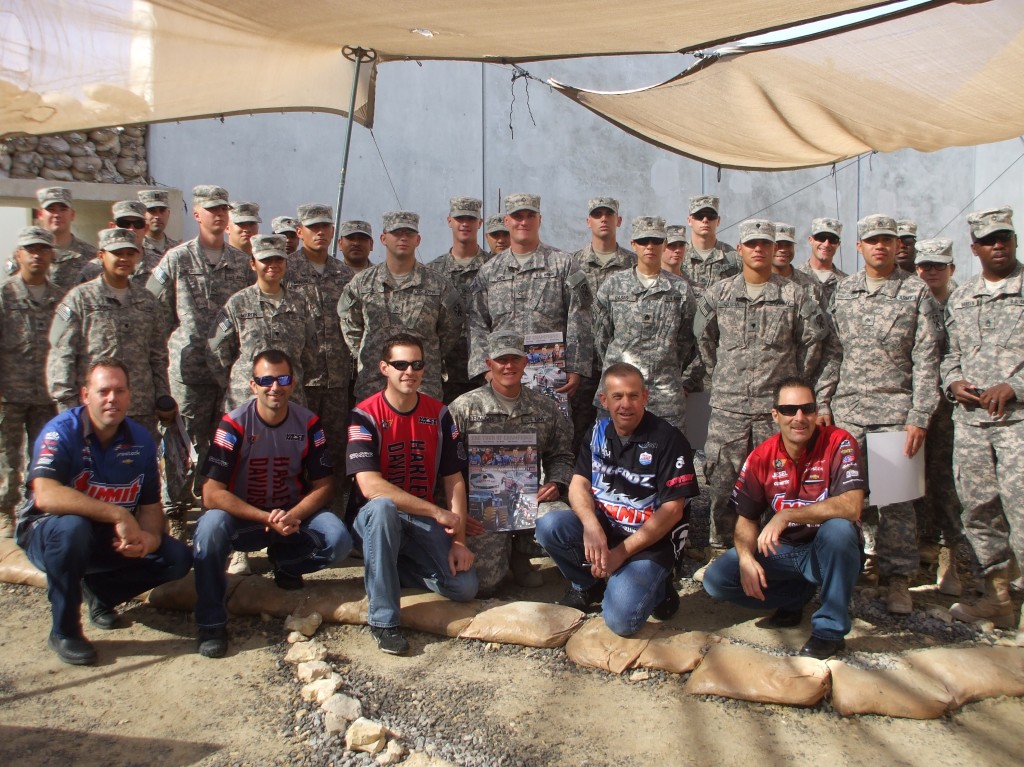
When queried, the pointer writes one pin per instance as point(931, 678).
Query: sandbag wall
point(106, 155)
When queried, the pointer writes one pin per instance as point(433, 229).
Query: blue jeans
point(832, 561)
point(70, 549)
point(633, 591)
point(321, 541)
point(402, 549)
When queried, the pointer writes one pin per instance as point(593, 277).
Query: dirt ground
point(152, 701)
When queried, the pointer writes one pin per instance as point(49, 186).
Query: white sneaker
point(239, 564)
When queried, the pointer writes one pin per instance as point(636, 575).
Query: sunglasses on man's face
point(643, 242)
point(268, 381)
point(809, 408)
point(704, 215)
point(829, 238)
point(991, 239)
point(131, 223)
point(403, 365)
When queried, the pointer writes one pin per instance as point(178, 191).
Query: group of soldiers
point(688, 310)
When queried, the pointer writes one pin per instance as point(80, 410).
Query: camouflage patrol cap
point(700, 202)
point(906, 227)
point(935, 251)
point(757, 229)
point(827, 226)
point(116, 238)
point(501, 343)
point(128, 209)
point(154, 198)
point(266, 246)
point(401, 219)
point(315, 213)
point(784, 232)
point(34, 235)
point(985, 222)
point(465, 206)
point(209, 196)
point(603, 202)
point(52, 195)
point(675, 233)
point(521, 201)
point(496, 223)
point(876, 224)
point(245, 213)
point(355, 226)
point(283, 224)
point(648, 226)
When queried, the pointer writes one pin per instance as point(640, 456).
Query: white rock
point(304, 651)
point(420, 759)
point(304, 624)
point(343, 707)
point(365, 735)
point(311, 670)
point(333, 724)
point(322, 689)
point(941, 614)
point(639, 676)
point(392, 754)
point(295, 636)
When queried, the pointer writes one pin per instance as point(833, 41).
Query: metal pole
point(358, 56)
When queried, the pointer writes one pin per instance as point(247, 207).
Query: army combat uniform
point(720, 264)
point(827, 288)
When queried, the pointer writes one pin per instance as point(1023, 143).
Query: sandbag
point(973, 673)
point(677, 653)
point(597, 646)
point(901, 692)
point(531, 624)
point(435, 614)
point(181, 594)
point(734, 671)
point(16, 568)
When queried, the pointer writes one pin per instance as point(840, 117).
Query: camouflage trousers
point(988, 461)
point(20, 424)
point(332, 405)
point(938, 512)
point(890, 532)
point(199, 405)
point(493, 550)
point(731, 438)
point(583, 408)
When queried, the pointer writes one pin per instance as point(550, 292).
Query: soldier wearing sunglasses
point(130, 215)
point(824, 241)
point(809, 479)
point(708, 260)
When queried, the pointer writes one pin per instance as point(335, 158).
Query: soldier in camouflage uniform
point(938, 511)
point(111, 316)
point(782, 261)
point(600, 259)
point(504, 406)
point(56, 213)
point(675, 249)
point(884, 379)
point(753, 330)
point(355, 240)
point(311, 269)
point(27, 304)
point(906, 253)
point(128, 214)
point(267, 315)
point(243, 224)
point(982, 371)
point(461, 264)
point(708, 259)
point(288, 227)
point(496, 234)
point(192, 282)
point(644, 316)
point(824, 241)
point(400, 295)
point(158, 213)
point(532, 288)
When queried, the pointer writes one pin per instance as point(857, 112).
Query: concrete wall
point(443, 129)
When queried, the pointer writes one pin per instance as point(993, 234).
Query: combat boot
point(524, 572)
point(929, 553)
point(713, 553)
point(947, 578)
point(899, 600)
point(994, 606)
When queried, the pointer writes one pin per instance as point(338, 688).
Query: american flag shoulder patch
point(225, 439)
point(357, 433)
point(319, 440)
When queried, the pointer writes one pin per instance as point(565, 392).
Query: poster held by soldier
point(545, 367)
point(503, 480)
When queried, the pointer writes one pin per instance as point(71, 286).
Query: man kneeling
point(811, 480)
point(93, 521)
point(620, 542)
point(269, 484)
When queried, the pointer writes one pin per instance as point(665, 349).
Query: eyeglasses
point(931, 266)
point(991, 239)
point(268, 381)
point(809, 408)
point(645, 241)
point(704, 215)
point(131, 223)
point(403, 365)
point(829, 238)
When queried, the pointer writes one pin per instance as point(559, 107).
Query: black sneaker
point(822, 649)
point(100, 616)
point(212, 642)
point(77, 652)
point(390, 640)
point(583, 599)
point(287, 581)
point(668, 606)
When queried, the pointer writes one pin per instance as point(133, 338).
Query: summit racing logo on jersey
point(781, 503)
point(121, 495)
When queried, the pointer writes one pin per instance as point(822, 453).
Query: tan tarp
point(72, 64)
point(948, 76)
